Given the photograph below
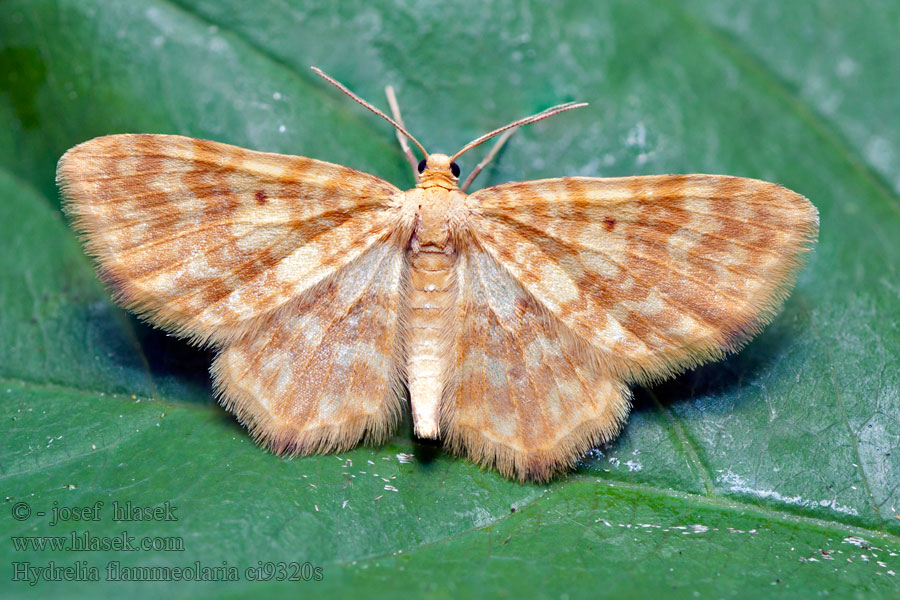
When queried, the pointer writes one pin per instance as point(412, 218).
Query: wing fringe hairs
point(542, 465)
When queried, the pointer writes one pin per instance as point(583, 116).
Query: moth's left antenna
point(341, 87)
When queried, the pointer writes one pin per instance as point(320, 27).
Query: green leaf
point(775, 472)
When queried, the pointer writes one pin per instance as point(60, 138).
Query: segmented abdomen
point(429, 334)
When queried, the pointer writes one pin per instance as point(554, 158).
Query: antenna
point(554, 110)
point(341, 87)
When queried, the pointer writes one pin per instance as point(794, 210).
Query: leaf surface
point(776, 471)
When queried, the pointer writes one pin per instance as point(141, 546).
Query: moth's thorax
point(435, 209)
point(437, 173)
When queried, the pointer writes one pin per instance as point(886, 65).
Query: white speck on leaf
point(846, 66)
point(737, 484)
point(637, 136)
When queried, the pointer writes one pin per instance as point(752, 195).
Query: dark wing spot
point(521, 307)
point(261, 197)
point(609, 223)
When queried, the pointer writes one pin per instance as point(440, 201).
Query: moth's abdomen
point(428, 333)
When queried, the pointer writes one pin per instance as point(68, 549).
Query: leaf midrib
point(717, 502)
point(806, 114)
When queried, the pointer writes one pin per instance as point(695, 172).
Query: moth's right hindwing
point(525, 396)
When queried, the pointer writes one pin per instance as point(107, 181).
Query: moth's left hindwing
point(322, 373)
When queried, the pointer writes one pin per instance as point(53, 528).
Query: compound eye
point(422, 165)
point(454, 168)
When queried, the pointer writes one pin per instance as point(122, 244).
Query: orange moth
point(516, 316)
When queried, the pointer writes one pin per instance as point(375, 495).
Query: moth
point(516, 317)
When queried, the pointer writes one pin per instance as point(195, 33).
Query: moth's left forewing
point(658, 273)
point(203, 238)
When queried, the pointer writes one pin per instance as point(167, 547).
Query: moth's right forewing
point(658, 273)
point(204, 238)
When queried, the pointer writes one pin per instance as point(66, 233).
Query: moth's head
point(438, 170)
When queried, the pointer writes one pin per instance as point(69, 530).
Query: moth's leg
point(487, 159)
point(404, 144)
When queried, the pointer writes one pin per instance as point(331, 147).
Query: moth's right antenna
point(341, 87)
point(555, 110)
point(488, 158)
